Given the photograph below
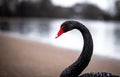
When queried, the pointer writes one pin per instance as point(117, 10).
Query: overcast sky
point(107, 5)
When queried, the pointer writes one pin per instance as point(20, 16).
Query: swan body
point(82, 62)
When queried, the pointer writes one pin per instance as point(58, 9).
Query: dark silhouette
point(90, 11)
point(81, 63)
point(117, 8)
point(46, 9)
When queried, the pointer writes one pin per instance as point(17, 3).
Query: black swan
point(82, 62)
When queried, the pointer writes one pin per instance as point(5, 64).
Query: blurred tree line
point(117, 16)
point(45, 8)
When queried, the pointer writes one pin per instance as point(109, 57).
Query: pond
point(106, 34)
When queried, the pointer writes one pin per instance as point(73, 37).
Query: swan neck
point(83, 60)
point(87, 50)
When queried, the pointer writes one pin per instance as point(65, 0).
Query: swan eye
point(67, 28)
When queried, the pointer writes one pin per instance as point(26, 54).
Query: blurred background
point(39, 21)
point(82, 9)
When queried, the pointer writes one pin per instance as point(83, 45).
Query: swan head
point(65, 27)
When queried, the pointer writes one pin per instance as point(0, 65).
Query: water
point(106, 35)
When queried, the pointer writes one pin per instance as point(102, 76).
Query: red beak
point(60, 32)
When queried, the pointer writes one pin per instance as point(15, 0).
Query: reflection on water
point(106, 35)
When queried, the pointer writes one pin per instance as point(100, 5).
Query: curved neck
point(81, 63)
point(87, 51)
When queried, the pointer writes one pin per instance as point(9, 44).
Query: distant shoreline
point(20, 36)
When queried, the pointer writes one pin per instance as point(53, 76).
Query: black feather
point(82, 62)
